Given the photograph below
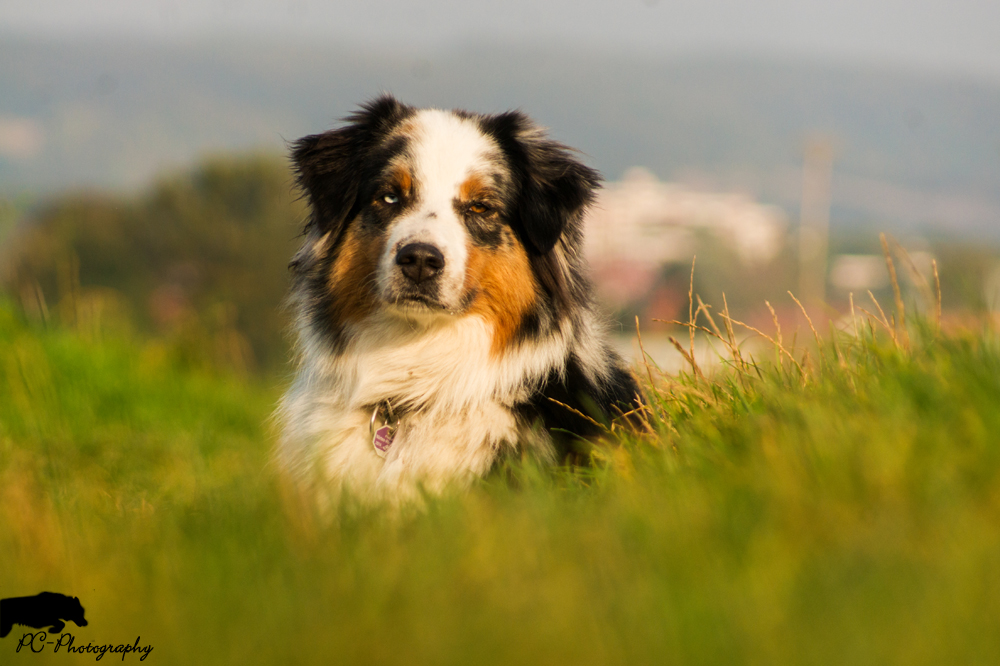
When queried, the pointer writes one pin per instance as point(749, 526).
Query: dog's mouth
point(427, 298)
point(419, 302)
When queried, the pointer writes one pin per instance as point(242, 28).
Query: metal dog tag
point(383, 440)
point(382, 435)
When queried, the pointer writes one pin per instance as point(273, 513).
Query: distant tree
point(209, 246)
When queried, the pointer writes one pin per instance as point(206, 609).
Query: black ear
point(553, 187)
point(331, 167)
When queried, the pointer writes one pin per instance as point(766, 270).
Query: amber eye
point(478, 208)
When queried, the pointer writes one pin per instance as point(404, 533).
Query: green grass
point(848, 516)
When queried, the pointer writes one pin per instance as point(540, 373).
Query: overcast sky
point(953, 36)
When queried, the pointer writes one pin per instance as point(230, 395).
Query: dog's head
point(424, 213)
point(66, 607)
point(74, 612)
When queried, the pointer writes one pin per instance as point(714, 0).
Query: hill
point(913, 152)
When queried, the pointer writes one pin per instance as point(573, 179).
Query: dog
point(45, 609)
point(443, 313)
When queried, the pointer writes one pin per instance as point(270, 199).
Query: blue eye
point(390, 199)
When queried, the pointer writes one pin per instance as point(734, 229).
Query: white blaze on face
point(444, 151)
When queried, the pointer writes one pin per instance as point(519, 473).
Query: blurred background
point(144, 182)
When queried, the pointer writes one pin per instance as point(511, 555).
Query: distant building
point(640, 224)
point(858, 272)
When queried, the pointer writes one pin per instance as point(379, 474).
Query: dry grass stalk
point(623, 417)
point(688, 357)
point(937, 289)
point(677, 387)
point(701, 328)
point(917, 277)
point(715, 332)
point(731, 335)
point(900, 323)
point(819, 343)
point(884, 321)
point(740, 364)
point(777, 328)
point(881, 322)
point(807, 363)
point(691, 310)
point(774, 318)
point(581, 415)
point(854, 318)
point(33, 302)
point(708, 315)
point(841, 361)
point(645, 359)
point(644, 411)
point(767, 337)
point(641, 409)
point(642, 351)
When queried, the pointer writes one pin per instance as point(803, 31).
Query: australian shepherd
point(443, 312)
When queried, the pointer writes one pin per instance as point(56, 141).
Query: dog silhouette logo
point(46, 609)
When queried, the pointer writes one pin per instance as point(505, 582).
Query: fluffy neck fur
point(453, 398)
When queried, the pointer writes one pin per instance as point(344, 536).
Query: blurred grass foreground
point(838, 505)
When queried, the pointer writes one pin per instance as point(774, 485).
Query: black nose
point(419, 261)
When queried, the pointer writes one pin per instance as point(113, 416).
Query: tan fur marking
point(506, 290)
point(352, 276)
point(403, 179)
point(474, 188)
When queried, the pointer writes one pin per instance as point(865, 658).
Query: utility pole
point(814, 227)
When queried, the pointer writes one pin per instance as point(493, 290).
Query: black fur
point(487, 233)
point(601, 401)
point(332, 168)
point(46, 609)
point(338, 173)
point(551, 190)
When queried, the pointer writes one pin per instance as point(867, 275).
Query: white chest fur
point(454, 399)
